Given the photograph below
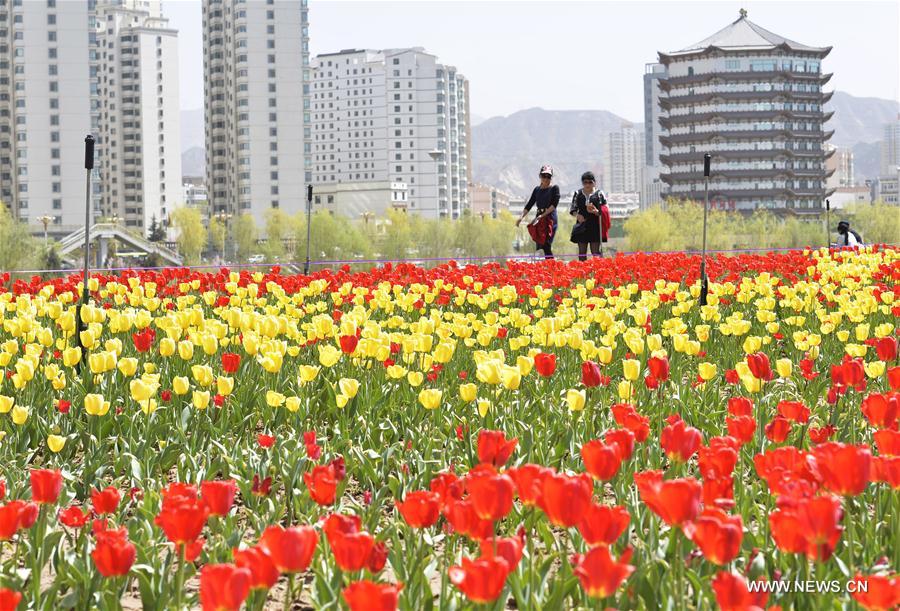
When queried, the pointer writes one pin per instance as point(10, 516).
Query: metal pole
point(88, 166)
point(704, 281)
point(309, 193)
point(827, 223)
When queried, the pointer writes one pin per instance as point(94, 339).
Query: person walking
point(591, 218)
point(545, 197)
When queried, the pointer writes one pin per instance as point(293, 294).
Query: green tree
point(157, 231)
point(191, 233)
point(649, 230)
point(217, 233)
point(16, 244)
point(397, 240)
point(245, 236)
point(278, 228)
point(877, 223)
point(436, 238)
point(50, 258)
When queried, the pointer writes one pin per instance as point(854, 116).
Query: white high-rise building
point(45, 108)
point(139, 144)
point(394, 115)
point(624, 160)
point(890, 148)
point(256, 66)
point(652, 187)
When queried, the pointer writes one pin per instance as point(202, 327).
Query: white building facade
point(624, 160)
point(45, 109)
point(256, 70)
point(139, 142)
point(395, 116)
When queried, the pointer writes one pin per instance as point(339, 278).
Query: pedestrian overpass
point(100, 236)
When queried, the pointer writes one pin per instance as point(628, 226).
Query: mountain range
point(508, 151)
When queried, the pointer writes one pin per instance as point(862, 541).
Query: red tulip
point(821, 434)
point(881, 592)
point(659, 367)
point(218, 496)
point(351, 550)
point(603, 525)
point(263, 573)
point(717, 460)
point(367, 595)
point(680, 441)
point(377, 558)
point(291, 549)
point(886, 347)
point(493, 447)
point(676, 501)
point(599, 573)
point(46, 484)
point(261, 487)
point(794, 411)
point(778, 429)
point(143, 340)
point(566, 498)
point(480, 580)
point(893, 376)
point(623, 439)
point(113, 554)
point(230, 362)
point(844, 468)
point(9, 599)
point(881, 410)
point(28, 514)
point(545, 364)
point(810, 526)
point(508, 548)
point(627, 417)
point(74, 517)
point(491, 493)
point(590, 374)
point(224, 587)
point(420, 509)
point(10, 519)
point(322, 484)
point(717, 534)
point(759, 366)
point(462, 518)
point(733, 593)
point(806, 369)
point(177, 492)
point(887, 442)
point(742, 428)
point(740, 406)
point(718, 492)
point(182, 523)
point(105, 501)
point(601, 460)
point(348, 343)
point(63, 406)
point(265, 441)
point(447, 486)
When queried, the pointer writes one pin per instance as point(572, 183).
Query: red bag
point(541, 231)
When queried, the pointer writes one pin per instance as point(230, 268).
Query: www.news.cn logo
point(808, 587)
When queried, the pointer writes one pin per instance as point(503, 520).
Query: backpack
point(856, 235)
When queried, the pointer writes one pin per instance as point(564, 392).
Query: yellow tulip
point(6, 404)
point(467, 392)
point(395, 372)
point(128, 366)
point(167, 346)
point(784, 367)
point(576, 399)
point(484, 407)
point(525, 364)
point(349, 387)
point(71, 356)
point(224, 385)
point(140, 390)
point(19, 415)
point(843, 335)
point(186, 350)
point(149, 406)
point(510, 377)
point(443, 352)
point(203, 374)
point(430, 398)
point(605, 355)
point(488, 372)
point(631, 368)
point(307, 373)
point(415, 378)
point(200, 399)
point(626, 390)
point(181, 385)
point(95, 405)
point(341, 400)
point(56, 443)
point(707, 371)
point(274, 399)
point(328, 355)
point(875, 369)
point(292, 404)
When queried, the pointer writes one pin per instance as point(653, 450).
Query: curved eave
point(665, 58)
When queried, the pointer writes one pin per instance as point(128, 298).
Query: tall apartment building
point(487, 200)
point(651, 185)
point(624, 160)
point(890, 148)
point(839, 161)
point(139, 141)
point(394, 115)
point(256, 67)
point(754, 101)
point(46, 96)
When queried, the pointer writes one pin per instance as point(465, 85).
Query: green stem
point(289, 595)
point(179, 578)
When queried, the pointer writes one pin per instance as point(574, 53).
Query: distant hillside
point(192, 130)
point(193, 162)
point(859, 119)
point(507, 152)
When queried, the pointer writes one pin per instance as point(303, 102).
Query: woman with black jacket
point(546, 197)
point(591, 218)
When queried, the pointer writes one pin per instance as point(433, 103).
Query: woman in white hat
point(546, 198)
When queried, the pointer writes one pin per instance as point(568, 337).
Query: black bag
point(579, 231)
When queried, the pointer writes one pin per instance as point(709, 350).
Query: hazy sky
point(576, 55)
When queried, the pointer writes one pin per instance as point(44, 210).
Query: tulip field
point(521, 435)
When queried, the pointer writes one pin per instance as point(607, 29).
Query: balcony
point(706, 117)
point(668, 140)
point(774, 76)
point(675, 100)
